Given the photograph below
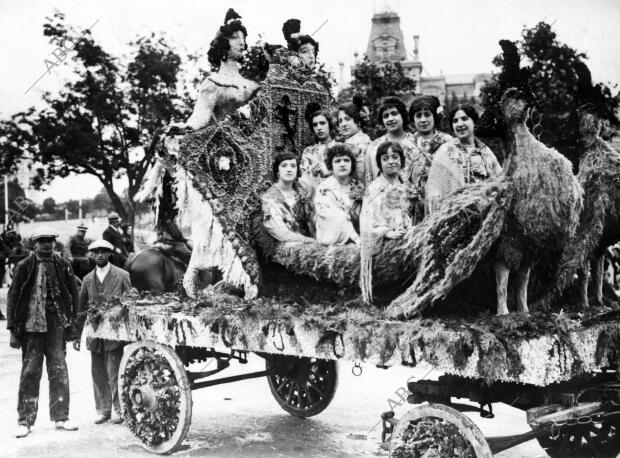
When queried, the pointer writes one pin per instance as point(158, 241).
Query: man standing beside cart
point(41, 305)
point(104, 281)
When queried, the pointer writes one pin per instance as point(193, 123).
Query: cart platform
point(539, 349)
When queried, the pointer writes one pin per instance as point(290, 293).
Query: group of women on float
point(378, 188)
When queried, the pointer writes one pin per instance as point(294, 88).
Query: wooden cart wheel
point(155, 395)
point(437, 427)
point(587, 440)
point(302, 386)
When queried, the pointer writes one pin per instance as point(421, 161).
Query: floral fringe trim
point(212, 248)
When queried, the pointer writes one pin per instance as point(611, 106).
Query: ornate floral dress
point(371, 170)
point(387, 206)
point(312, 155)
point(283, 215)
point(335, 212)
point(360, 142)
point(455, 166)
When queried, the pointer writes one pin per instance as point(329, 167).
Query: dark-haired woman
point(350, 121)
point(461, 161)
point(313, 167)
point(393, 116)
point(282, 207)
point(225, 91)
point(425, 114)
point(387, 209)
point(306, 47)
point(334, 207)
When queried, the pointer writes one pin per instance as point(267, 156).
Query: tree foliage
point(373, 81)
point(104, 114)
point(557, 80)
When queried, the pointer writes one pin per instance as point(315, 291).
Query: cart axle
point(234, 378)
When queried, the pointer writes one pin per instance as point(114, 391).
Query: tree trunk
point(117, 202)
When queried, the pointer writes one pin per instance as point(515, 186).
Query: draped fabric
point(387, 206)
point(334, 208)
point(359, 142)
point(455, 166)
point(312, 157)
point(422, 158)
point(282, 216)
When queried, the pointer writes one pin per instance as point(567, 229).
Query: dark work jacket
point(115, 238)
point(24, 279)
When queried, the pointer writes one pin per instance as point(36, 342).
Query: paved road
point(235, 420)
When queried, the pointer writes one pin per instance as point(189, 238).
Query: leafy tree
point(373, 81)
point(105, 112)
point(49, 205)
point(557, 80)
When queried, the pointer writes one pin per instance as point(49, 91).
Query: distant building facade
point(386, 43)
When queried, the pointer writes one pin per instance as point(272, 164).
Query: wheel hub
point(145, 397)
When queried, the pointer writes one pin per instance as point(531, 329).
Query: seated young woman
point(334, 207)
point(386, 211)
point(283, 212)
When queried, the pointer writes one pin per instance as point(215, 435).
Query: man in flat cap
point(105, 281)
point(113, 235)
point(41, 307)
point(76, 251)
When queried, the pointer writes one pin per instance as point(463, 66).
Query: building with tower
point(387, 43)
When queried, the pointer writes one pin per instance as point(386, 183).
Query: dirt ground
point(234, 420)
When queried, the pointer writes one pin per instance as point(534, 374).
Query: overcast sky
point(456, 36)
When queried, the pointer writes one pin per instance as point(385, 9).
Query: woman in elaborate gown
point(425, 114)
point(394, 117)
point(461, 161)
point(334, 207)
point(283, 214)
point(350, 121)
point(386, 211)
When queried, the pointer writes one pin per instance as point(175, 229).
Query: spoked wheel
point(302, 386)
point(155, 396)
point(586, 440)
point(437, 430)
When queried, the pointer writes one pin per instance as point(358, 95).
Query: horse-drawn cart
point(562, 371)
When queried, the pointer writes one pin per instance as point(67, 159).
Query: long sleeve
point(279, 221)
point(82, 308)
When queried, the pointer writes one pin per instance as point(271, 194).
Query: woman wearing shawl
point(313, 167)
point(334, 201)
point(386, 211)
point(281, 203)
point(350, 120)
point(425, 112)
point(461, 161)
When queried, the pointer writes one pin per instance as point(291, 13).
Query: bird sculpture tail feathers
point(451, 243)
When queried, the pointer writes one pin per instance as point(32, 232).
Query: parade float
point(298, 305)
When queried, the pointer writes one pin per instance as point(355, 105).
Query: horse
point(153, 270)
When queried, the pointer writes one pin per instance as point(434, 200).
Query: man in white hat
point(113, 235)
point(105, 281)
point(41, 306)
